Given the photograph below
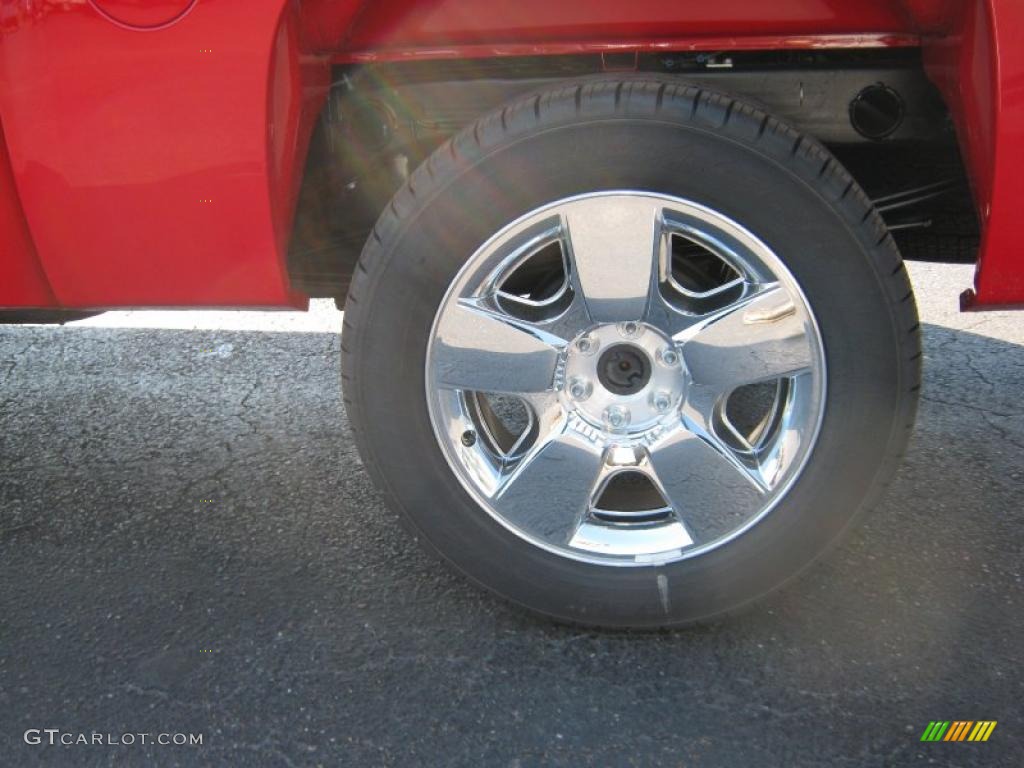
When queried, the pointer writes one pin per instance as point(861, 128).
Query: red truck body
point(152, 152)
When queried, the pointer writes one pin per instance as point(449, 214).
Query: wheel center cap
point(624, 369)
point(623, 378)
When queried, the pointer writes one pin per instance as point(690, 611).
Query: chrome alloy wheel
point(625, 378)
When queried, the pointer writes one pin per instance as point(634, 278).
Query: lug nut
point(668, 356)
point(630, 329)
point(469, 438)
point(580, 388)
point(586, 345)
point(661, 401)
point(616, 417)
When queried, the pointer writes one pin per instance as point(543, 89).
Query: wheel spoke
point(614, 243)
point(549, 492)
point(706, 485)
point(482, 349)
point(760, 337)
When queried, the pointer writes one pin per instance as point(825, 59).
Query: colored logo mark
point(958, 730)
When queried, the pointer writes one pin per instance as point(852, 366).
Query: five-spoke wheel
point(625, 378)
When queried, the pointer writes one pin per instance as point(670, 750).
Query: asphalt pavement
point(190, 545)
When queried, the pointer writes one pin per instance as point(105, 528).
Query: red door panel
point(155, 168)
point(22, 281)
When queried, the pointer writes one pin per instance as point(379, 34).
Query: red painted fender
point(154, 149)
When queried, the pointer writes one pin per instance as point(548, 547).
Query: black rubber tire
point(675, 139)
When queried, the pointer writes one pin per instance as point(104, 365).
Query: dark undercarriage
point(874, 109)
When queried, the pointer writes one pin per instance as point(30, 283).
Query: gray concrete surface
point(188, 543)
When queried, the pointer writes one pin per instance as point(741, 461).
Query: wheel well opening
point(873, 108)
